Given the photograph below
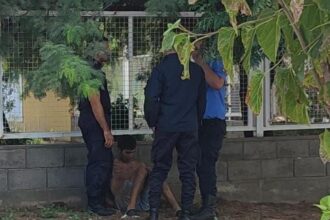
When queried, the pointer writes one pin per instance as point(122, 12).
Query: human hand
point(108, 139)
point(198, 57)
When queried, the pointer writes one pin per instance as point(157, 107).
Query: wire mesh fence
point(134, 42)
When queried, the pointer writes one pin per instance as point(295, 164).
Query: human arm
point(99, 115)
point(201, 102)
point(212, 78)
point(152, 93)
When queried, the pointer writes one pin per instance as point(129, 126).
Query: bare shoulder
point(139, 164)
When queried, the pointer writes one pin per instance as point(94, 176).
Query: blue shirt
point(215, 98)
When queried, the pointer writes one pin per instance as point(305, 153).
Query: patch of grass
point(74, 216)
point(52, 211)
point(8, 216)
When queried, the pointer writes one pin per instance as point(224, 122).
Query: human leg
point(210, 142)
point(169, 196)
point(98, 170)
point(161, 154)
point(138, 185)
point(187, 148)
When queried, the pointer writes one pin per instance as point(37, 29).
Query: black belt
point(213, 119)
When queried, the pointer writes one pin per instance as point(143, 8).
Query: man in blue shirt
point(211, 134)
point(174, 109)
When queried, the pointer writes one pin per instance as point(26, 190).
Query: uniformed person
point(211, 133)
point(173, 108)
point(94, 122)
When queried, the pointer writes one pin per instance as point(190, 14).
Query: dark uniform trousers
point(99, 166)
point(211, 134)
point(186, 144)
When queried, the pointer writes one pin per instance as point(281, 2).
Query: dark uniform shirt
point(85, 108)
point(172, 104)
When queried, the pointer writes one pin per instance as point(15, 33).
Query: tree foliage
point(294, 35)
point(64, 40)
point(168, 7)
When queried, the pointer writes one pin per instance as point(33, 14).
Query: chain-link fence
point(134, 40)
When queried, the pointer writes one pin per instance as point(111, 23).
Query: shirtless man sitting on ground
point(129, 183)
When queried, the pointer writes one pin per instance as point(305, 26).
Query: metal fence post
point(260, 118)
point(1, 99)
point(267, 92)
point(250, 115)
point(131, 77)
point(1, 104)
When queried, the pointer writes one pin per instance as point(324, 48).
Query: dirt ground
point(228, 210)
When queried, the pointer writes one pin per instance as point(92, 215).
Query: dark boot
point(153, 214)
point(101, 210)
point(207, 212)
point(184, 215)
point(97, 206)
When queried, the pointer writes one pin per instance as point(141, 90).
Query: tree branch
point(294, 26)
point(300, 37)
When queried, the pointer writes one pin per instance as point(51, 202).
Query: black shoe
point(206, 213)
point(131, 214)
point(153, 214)
point(184, 215)
point(101, 210)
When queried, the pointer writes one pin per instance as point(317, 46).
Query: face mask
point(97, 65)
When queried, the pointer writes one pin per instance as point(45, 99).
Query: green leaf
point(168, 41)
point(87, 90)
point(323, 5)
point(288, 33)
point(74, 34)
point(325, 216)
point(255, 92)
point(184, 47)
point(268, 35)
point(248, 33)
point(293, 47)
point(325, 153)
point(309, 19)
point(325, 201)
point(171, 27)
point(292, 99)
point(324, 95)
point(233, 7)
point(226, 38)
point(309, 81)
point(322, 207)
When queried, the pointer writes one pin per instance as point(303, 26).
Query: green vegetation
point(325, 207)
point(294, 35)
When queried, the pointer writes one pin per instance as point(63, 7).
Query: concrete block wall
point(273, 169)
point(32, 175)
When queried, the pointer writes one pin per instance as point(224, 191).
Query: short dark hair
point(126, 142)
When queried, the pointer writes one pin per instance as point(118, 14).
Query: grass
point(228, 210)
point(52, 211)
